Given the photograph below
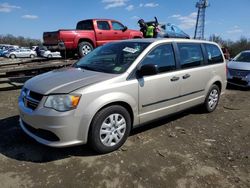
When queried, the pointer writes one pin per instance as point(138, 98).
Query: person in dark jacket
point(143, 27)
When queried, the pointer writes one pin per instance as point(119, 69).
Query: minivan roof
point(153, 40)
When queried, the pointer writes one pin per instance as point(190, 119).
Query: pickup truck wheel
point(109, 129)
point(32, 56)
point(49, 56)
point(84, 48)
point(212, 99)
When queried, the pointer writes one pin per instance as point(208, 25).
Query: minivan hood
point(65, 80)
point(238, 65)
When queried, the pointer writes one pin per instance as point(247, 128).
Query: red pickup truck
point(88, 35)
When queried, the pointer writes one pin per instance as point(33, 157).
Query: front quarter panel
point(100, 95)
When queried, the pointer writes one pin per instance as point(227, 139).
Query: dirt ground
point(191, 149)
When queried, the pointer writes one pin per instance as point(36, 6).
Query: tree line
point(234, 47)
point(20, 41)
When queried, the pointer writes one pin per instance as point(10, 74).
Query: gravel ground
point(191, 149)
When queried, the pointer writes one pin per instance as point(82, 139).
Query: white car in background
point(49, 54)
point(21, 53)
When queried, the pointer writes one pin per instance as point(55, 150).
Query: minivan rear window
point(190, 55)
point(214, 54)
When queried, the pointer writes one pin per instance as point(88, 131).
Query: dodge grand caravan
point(119, 86)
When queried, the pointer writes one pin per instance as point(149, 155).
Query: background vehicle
point(88, 35)
point(5, 52)
point(49, 54)
point(163, 30)
point(172, 31)
point(238, 70)
point(21, 53)
point(4, 49)
point(118, 86)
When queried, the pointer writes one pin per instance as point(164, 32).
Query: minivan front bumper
point(50, 127)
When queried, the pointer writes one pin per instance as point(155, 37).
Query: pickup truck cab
point(88, 35)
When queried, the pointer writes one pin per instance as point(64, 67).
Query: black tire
point(49, 56)
point(84, 48)
point(213, 96)
point(12, 56)
point(97, 124)
point(32, 56)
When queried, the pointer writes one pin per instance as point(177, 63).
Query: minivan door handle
point(175, 78)
point(186, 76)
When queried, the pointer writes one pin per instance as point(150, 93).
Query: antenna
point(200, 22)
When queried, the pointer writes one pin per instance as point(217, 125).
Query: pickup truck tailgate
point(51, 37)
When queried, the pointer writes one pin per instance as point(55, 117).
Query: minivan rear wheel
point(212, 98)
point(109, 129)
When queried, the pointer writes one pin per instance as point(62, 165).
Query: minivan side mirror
point(125, 28)
point(147, 70)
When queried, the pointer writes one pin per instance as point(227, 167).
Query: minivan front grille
point(35, 96)
point(32, 99)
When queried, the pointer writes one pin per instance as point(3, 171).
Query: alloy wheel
point(213, 99)
point(86, 49)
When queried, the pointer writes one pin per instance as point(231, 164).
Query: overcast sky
point(30, 18)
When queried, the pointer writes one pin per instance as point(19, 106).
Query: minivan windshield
point(113, 58)
point(243, 57)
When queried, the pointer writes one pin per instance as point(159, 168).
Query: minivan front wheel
point(212, 98)
point(110, 129)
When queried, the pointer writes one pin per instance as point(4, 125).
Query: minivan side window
point(103, 25)
point(214, 54)
point(190, 55)
point(163, 57)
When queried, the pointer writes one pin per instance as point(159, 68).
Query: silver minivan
point(119, 86)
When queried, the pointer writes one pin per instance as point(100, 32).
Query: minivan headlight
point(62, 102)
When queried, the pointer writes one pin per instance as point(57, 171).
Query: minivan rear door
point(194, 76)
